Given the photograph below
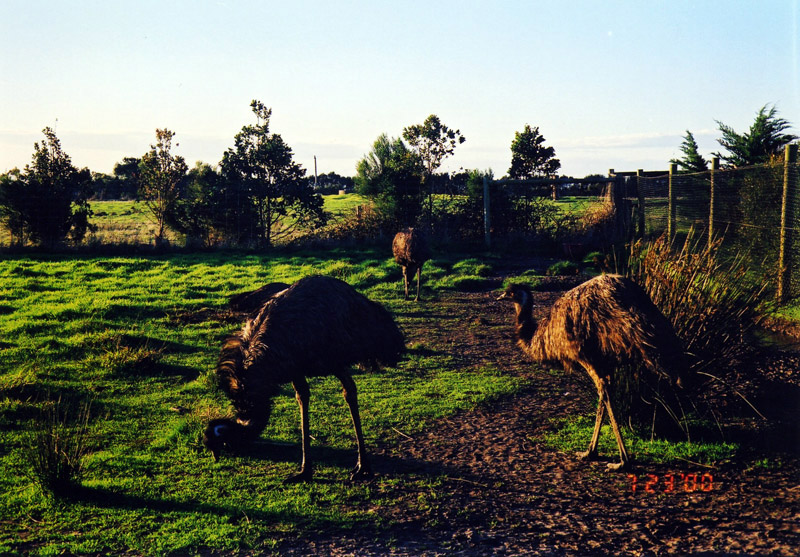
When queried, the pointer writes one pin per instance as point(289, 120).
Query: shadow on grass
point(110, 499)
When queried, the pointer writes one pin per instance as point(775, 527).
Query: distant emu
point(410, 249)
point(318, 326)
point(602, 324)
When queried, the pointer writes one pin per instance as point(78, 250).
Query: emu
point(410, 250)
point(319, 326)
point(600, 325)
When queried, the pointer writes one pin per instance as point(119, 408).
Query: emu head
point(520, 294)
point(221, 433)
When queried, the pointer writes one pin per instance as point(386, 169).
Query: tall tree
point(530, 158)
point(48, 202)
point(765, 139)
point(692, 160)
point(127, 174)
point(391, 175)
point(161, 173)
point(14, 204)
point(433, 142)
point(262, 163)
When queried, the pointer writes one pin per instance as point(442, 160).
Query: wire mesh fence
point(754, 209)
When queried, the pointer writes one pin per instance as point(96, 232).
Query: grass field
point(139, 336)
point(131, 223)
point(125, 333)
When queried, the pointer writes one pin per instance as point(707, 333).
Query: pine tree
point(692, 160)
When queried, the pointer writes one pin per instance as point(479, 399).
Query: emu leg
point(362, 468)
point(624, 462)
point(405, 281)
point(591, 454)
point(303, 394)
point(419, 277)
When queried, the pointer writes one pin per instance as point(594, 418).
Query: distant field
point(131, 223)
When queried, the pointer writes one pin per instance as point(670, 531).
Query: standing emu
point(601, 325)
point(319, 326)
point(410, 249)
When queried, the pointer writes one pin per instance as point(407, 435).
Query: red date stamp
point(671, 483)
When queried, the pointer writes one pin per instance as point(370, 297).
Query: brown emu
point(600, 325)
point(410, 250)
point(319, 326)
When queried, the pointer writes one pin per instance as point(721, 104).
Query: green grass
point(338, 205)
point(116, 331)
point(573, 434)
point(137, 337)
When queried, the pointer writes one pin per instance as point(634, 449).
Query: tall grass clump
point(711, 298)
point(57, 446)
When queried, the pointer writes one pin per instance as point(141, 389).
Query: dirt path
point(498, 492)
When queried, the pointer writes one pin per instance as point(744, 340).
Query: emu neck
point(525, 323)
point(252, 419)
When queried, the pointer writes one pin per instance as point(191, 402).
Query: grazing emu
point(601, 325)
point(319, 326)
point(410, 249)
point(252, 301)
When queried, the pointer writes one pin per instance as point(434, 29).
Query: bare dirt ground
point(497, 491)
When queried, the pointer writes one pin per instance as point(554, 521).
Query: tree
point(13, 204)
point(127, 174)
point(161, 173)
point(692, 160)
point(48, 202)
point(433, 142)
point(765, 139)
point(262, 164)
point(529, 156)
point(391, 175)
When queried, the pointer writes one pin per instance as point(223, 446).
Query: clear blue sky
point(611, 84)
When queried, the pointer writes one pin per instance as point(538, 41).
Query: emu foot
point(360, 472)
point(304, 476)
point(614, 466)
point(587, 455)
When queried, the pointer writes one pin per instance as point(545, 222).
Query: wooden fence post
point(714, 168)
point(673, 170)
point(640, 195)
point(787, 214)
point(487, 220)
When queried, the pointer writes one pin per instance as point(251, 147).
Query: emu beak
point(503, 296)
